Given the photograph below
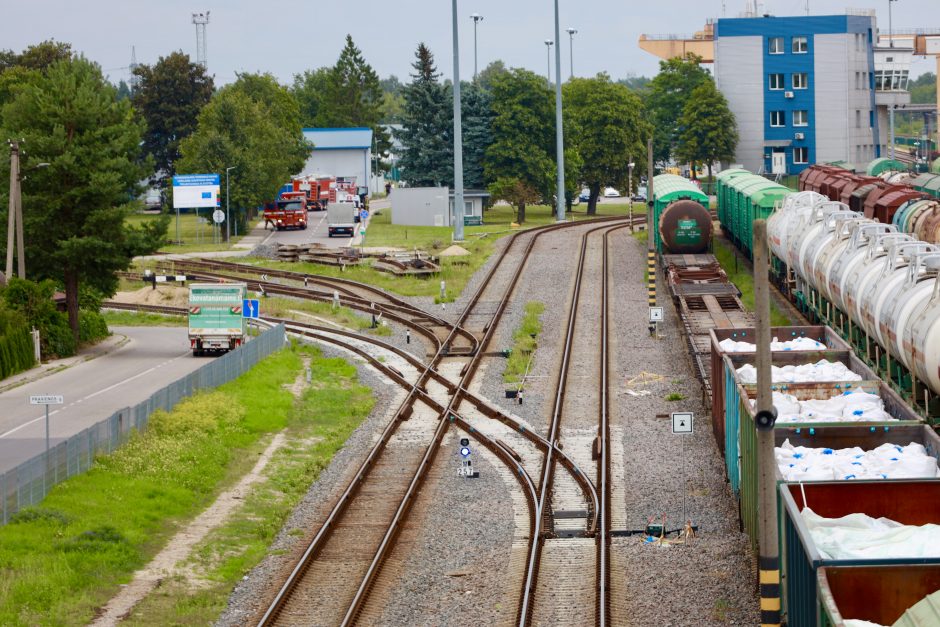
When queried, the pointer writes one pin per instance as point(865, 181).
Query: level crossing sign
point(250, 308)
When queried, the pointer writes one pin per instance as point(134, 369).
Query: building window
point(776, 81)
point(778, 118)
point(775, 45)
point(801, 154)
point(858, 118)
point(800, 45)
point(800, 80)
point(801, 117)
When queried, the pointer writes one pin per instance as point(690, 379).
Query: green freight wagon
point(216, 321)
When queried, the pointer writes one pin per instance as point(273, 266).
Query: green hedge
point(16, 345)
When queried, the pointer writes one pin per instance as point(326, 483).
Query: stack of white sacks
point(822, 370)
point(797, 344)
point(849, 406)
point(888, 461)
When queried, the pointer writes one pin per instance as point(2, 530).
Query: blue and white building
point(340, 152)
point(802, 89)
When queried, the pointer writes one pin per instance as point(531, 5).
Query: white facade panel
point(420, 206)
point(739, 76)
point(355, 162)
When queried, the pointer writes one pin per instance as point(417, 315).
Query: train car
point(742, 198)
point(681, 222)
point(882, 165)
point(927, 183)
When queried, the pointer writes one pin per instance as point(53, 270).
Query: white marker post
point(46, 399)
point(656, 316)
point(682, 425)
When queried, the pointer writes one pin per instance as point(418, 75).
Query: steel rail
point(547, 473)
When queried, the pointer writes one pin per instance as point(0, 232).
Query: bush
point(34, 302)
point(91, 326)
point(16, 345)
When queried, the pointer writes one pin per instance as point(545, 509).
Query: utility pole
point(571, 33)
point(890, 26)
point(11, 211)
point(764, 419)
point(458, 137)
point(477, 18)
point(650, 251)
point(559, 128)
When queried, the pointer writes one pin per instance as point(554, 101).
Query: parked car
point(585, 195)
point(640, 195)
point(610, 192)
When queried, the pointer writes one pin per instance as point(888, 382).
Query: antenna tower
point(135, 80)
point(200, 20)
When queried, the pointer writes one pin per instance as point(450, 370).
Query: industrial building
point(434, 206)
point(343, 153)
point(807, 89)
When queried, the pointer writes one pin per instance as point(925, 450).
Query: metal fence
point(28, 483)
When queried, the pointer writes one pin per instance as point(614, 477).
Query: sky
point(285, 37)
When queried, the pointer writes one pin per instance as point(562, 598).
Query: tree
point(393, 100)
point(123, 90)
point(477, 108)
point(709, 131)
point(668, 92)
point(353, 96)
point(309, 89)
point(279, 103)
point(427, 154)
point(523, 138)
point(605, 122)
point(19, 69)
point(239, 128)
point(169, 96)
point(487, 75)
point(75, 209)
point(924, 89)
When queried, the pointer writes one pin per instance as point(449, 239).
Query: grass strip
point(283, 307)
point(318, 426)
point(121, 318)
point(744, 280)
point(62, 559)
point(525, 341)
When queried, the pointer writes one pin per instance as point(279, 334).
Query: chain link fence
point(28, 483)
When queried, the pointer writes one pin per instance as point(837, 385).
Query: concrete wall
point(420, 206)
point(739, 76)
point(341, 162)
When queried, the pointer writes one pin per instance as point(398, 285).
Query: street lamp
point(571, 33)
point(15, 217)
point(548, 58)
point(458, 136)
point(228, 215)
point(559, 132)
point(477, 18)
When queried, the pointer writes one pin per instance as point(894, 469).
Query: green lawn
point(195, 236)
point(68, 556)
point(525, 341)
point(744, 280)
point(118, 318)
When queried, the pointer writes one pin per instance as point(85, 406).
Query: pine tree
point(75, 209)
point(353, 96)
point(477, 121)
point(426, 134)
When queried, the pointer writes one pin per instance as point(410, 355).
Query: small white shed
point(434, 206)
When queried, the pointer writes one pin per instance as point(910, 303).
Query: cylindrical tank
point(794, 210)
point(861, 276)
point(817, 239)
point(926, 228)
point(906, 300)
point(922, 339)
point(863, 237)
point(874, 302)
point(685, 227)
point(828, 253)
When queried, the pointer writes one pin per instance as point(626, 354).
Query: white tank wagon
point(877, 286)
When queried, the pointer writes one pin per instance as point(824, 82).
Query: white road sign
point(46, 399)
point(656, 314)
point(218, 216)
point(682, 422)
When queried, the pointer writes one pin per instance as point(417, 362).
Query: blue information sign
point(250, 308)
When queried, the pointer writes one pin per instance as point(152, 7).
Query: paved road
point(93, 390)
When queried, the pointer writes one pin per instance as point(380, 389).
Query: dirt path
point(170, 561)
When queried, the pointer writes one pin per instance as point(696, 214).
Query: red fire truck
point(286, 213)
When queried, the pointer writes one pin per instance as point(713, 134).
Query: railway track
point(435, 390)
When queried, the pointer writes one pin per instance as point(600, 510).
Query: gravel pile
point(267, 251)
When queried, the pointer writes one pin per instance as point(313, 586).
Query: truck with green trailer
point(216, 322)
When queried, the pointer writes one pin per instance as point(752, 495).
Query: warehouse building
point(340, 152)
point(803, 89)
